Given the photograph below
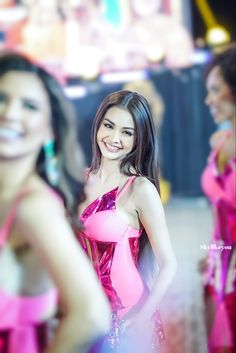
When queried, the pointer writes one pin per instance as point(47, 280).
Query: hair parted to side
point(226, 61)
point(63, 126)
point(144, 158)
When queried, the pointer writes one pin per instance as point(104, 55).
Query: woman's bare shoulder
point(39, 196)
point(217, 138)
point(143, 188)
point(146, 198)
point(142, 182)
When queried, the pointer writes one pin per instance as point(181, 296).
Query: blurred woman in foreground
point(40, 260)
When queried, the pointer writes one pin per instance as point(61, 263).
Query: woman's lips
point(111, 148)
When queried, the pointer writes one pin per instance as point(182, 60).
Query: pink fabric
point(18, 310)
point(113, 247)
point(106, 240)
point(220, 188)
point(19, 314)
point(219, 337)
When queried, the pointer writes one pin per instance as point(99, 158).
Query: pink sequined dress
point(113, 246)
point(22, 327)
point(220, 277)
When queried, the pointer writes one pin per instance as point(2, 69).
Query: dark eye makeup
point(29, 105)
point(108, 125)
point(128, 133)
point(26, 103)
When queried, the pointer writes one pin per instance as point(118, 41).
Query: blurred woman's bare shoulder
point(218, 138)
point(37, 193)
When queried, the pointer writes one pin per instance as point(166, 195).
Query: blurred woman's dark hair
point(226, 61)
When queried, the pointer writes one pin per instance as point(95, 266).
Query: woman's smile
point(111, 147)
point(9, 134)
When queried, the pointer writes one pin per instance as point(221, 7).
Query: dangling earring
point(51, 162)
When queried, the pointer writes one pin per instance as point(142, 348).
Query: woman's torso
point(112, 244)
point(24, 281)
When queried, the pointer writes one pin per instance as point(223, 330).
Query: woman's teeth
point(9, 134)
point(111, 147)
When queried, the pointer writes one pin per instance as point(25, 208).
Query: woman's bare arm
point(41, 219)
point(151, 214)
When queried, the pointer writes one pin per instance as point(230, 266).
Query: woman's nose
point(10, 110)
point(115, 136)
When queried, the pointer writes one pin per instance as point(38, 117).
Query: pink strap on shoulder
point(222, 142)
point(124, 188)
point(4, 232)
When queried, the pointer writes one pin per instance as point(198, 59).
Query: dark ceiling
point(224, 12)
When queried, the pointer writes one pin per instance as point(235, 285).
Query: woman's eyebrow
point(124, 127)
point(35, 102)
point(128, 128)
point(111, 122)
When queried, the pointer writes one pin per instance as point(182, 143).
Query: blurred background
point(159, 48)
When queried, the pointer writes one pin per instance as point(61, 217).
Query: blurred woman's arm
point(41, 218)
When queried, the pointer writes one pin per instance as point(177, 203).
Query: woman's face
point(115, 136)
point(219, 97)
point(24, 115)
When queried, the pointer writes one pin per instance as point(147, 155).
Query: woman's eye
point(128, 133)
point(109, 126)
point(30, 106)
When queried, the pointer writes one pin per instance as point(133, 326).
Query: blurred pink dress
point(220, 277)
point(113, 247)
point(22, 327)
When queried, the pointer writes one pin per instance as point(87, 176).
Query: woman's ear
point(51, 161)
point(50, 136)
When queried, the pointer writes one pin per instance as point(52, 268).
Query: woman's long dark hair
point(63, 125)
point(143, 160)
point(144, 157)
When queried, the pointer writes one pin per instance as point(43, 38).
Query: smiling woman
point(122, 214)
point(37, 244)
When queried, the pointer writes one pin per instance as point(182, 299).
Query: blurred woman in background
point(219, 185)
point(39, 257)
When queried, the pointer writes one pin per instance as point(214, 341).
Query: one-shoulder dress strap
point(218, 148)
point(124, 188)
point(10, 217)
